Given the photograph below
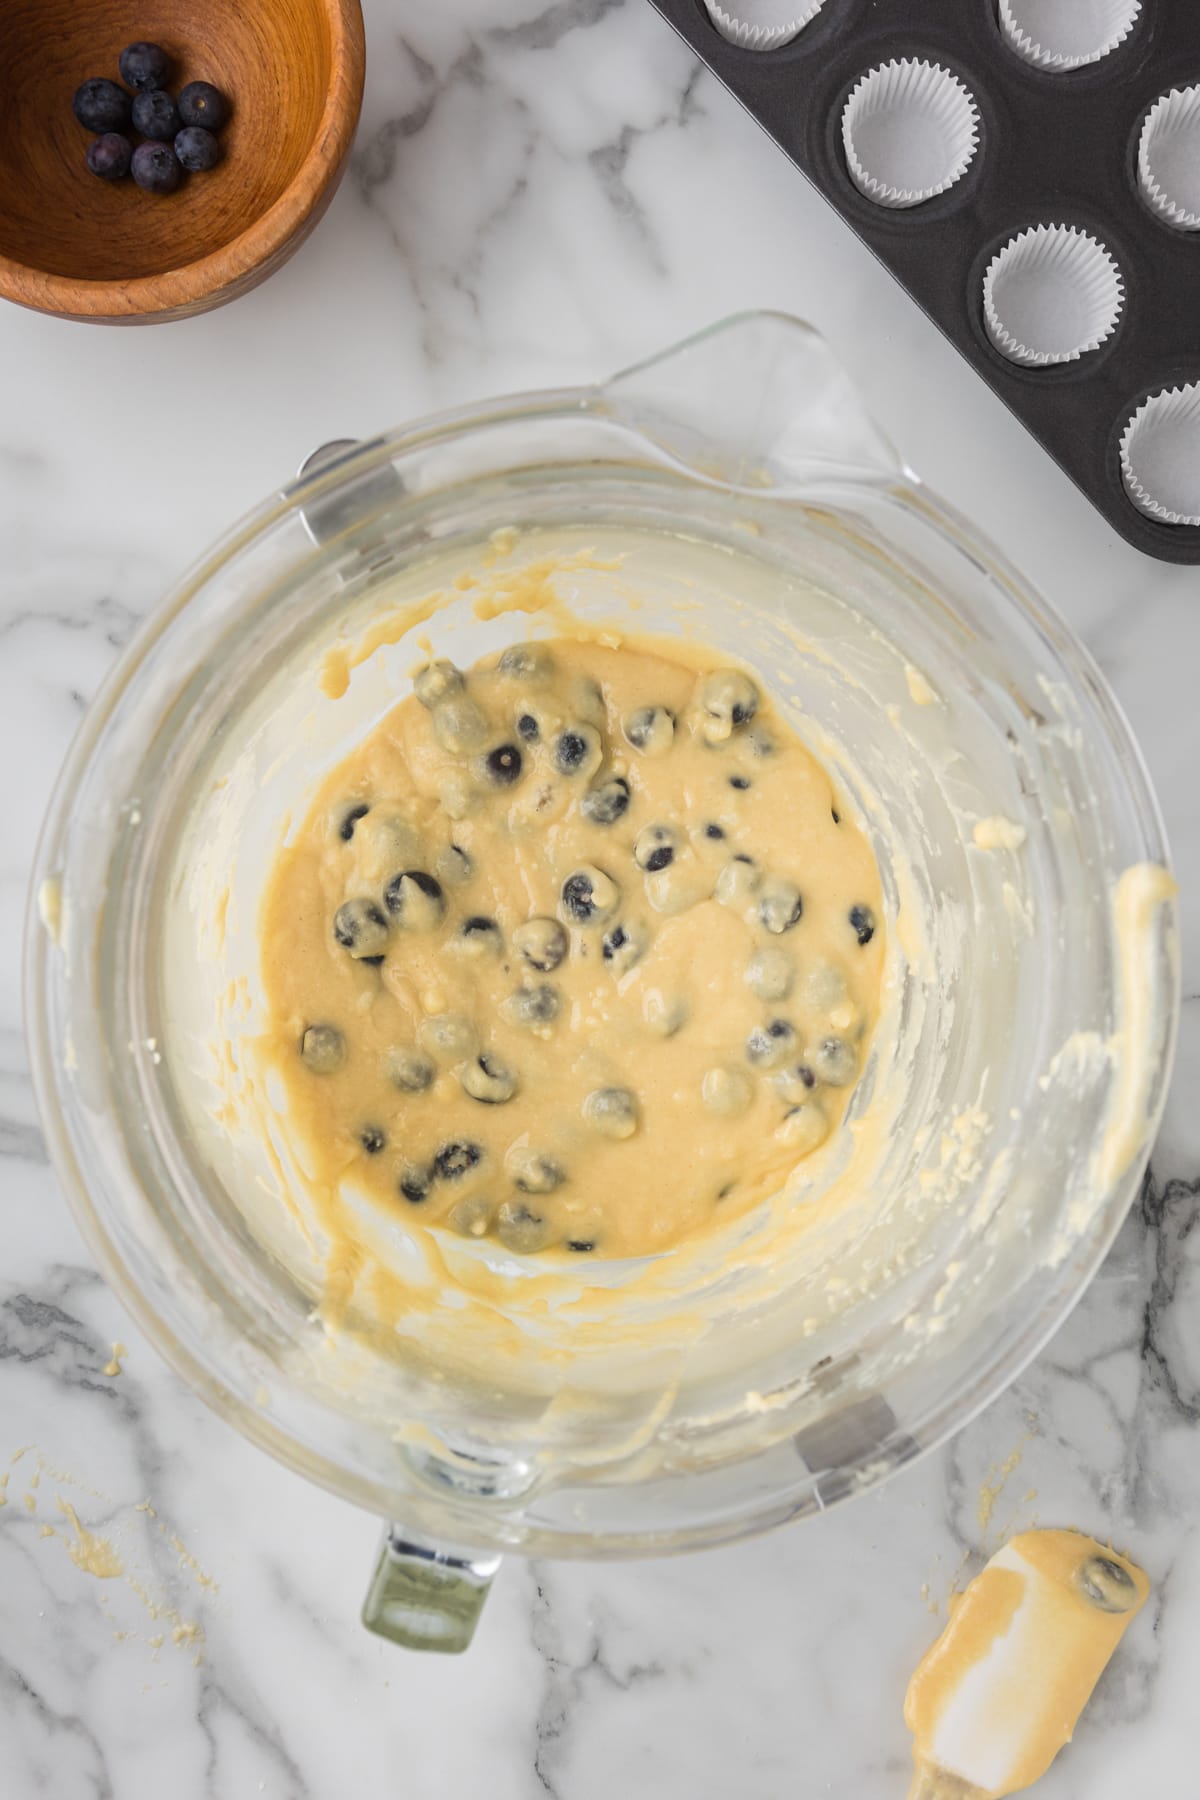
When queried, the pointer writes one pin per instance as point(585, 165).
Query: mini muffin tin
point(1009, 171)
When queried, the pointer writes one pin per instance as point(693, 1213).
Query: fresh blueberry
point(454, 866)
point(361, 928)
point(834, 1061)
point(323, 1049)
point(408, 1070)
point(436, 681)
point(542, 943)
point(527, 728)
point(373, 1139)
point(622, 946)
point(459, 725)
point(109, 156)
point(416, 899)
point(350, 820)
point(200, 103)
point(145, 66)
point(448, 1037)
point(155, 169)
point(488, 1081)
point(780, 906)
point(769, 1045)
point(503, 764)
point(156, 115)
point(197, 149)
point(651, 729)
point(414, 1183)
point(738, 882)
point(729, 700)
point(604, 804)
point(581, 1246)
point(714, 831)
point(102, 106)
point(538, 1004)
point(655, 848)
point(533, 1173)
point(835, 815)
point(863, 921)
point(456, 1159)
point(770, 973)
point(795, 1083)
point(740, 782)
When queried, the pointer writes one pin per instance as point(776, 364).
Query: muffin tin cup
point(1051, 295)
point(910, 130)
point(1061, 35)
point(763, 24)
point(1168, 159)
point(1160, 456)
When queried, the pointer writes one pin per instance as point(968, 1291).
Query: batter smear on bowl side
point(574, 951)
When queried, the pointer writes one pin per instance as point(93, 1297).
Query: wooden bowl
point(83, 248)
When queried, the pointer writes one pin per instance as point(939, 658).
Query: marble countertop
point(543, 191)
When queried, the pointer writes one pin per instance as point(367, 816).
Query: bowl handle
point(426, 1599)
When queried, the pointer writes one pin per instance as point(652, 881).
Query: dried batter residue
point(113, 1365)
point(94, 1555)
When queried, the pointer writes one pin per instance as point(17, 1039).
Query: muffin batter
point(575, 950)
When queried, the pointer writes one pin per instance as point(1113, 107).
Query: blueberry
point(200, 103)
point(109, 156)
point(770, 973)
point(571, 748)
point(604, 804)
point(416, 899)
point(835, 1061)
point(612, 1111)
point(145, 66)
point(503, 764)
point(408, 1070)
point(532, 1172)
point(454, 866)
point(197, 149)
point(622, 946)
point(471, 1217)
point(651, 729)
point(1107, 1585)
point(714, 831)
point(526, 662)
point(528, 728)
point(102, 106)
point(480, 936)
point(738, 882)
point(488, 1081)
point(589, 896)
point(459, 725)
point(835, 815)
point(726, 1092)
point(769, 1045)
point(542, 943)
point(780, 906)
point(414, 1183)
point(729, 700)
point(448, 1037)
point(655, 848)
point(740, 782)
point(323, 1049)
point(795, 1083)
point(539, 1004)
point(863, 921)
point(373, 1139)
point(350, 820)
point(520, 1229)
point(581, 1246)
point(436, 682)
point(456, 1159)
point(156, 115)
point(361, 928)
point(155, 169)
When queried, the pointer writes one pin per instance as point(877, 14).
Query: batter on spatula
point(575, 950)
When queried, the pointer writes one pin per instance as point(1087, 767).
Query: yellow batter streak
point(574, 950)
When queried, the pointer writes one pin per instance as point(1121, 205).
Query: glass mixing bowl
point(1000, 1128)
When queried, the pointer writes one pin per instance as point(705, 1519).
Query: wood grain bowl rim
point(196, 286)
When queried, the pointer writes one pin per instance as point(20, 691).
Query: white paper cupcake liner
point(1169, 158)
point(1067, 34)
point(1160, 456)
point(1051, 295)
point(909, 131)
point(762, 24)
